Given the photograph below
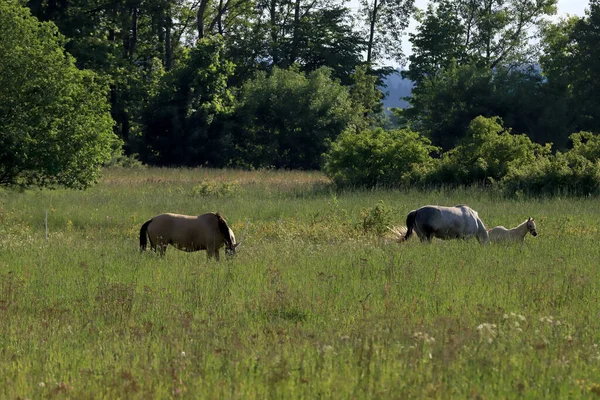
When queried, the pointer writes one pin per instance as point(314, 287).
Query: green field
point(312, 306)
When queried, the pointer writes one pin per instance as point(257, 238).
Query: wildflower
point(550, 320)
point(41, 384)
point(327, 348)
point(487, 331)
point(183, 354)
point(423, 337)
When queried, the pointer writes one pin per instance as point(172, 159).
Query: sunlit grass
point(313, 306)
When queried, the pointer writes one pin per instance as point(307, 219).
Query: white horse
point(501, 234)
point(443, 222)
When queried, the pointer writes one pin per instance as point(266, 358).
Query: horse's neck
point(521, 229)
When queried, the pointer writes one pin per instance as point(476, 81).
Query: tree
point(288, 119)
point(311, 34)
point(473, 57)
point(55, 121)
point(121, 41)
point(183, 123)
point(384, 21)
point(488, 33)
point(438, 42)
point(571, 50)
point(366, 97)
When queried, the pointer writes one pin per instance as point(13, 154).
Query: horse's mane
point(224, 229)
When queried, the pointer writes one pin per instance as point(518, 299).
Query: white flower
point(487, 331)
point(423, 337)
point(550, 320)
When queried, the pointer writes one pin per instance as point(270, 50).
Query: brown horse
point(189, 233)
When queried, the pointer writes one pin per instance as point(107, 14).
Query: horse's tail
point(224, 229)
point(143, 238)
point(410, 223)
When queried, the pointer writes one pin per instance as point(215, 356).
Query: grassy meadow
point(313, 306)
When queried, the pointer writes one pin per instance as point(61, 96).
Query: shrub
point(486, 155)
point(570, 173)
point(377, 219)
point(586, 144)
point(376, 157)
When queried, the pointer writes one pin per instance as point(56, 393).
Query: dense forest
point(498, 89)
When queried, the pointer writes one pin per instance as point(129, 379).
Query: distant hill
point(395, 90)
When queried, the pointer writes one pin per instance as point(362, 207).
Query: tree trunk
point(274, 45)
point(168, 45)
point(372, 23)
point(200, 18)
point(134, 31)
point(296, 33)
point(220, 18)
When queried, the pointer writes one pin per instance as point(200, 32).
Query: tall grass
point(314, 305)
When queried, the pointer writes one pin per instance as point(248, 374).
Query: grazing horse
point(189, 233)
point(501, 234)
point(443, 222)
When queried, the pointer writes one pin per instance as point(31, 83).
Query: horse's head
point(232, 245)
point(531, 226)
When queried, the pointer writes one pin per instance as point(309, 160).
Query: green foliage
point(55, 121)
point(183, 123)
point(442, 107)
point(376, 157)
point(486, 154)
point(377, 219)
point(575, 42)
point(473, 58)
point(383, 25)
point(587, 145)
point(216, 189)
point(575, 172)
point(287, 119)
point(439, 39)
point(366, 97)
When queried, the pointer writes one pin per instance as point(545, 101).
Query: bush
point(376, 157)
point(576, 172)
point(486, 155)
point(377, 219)
point(587, 145)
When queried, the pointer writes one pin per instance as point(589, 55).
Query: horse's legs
point(425, 232)
point(217, 255)
point(210, 253)
point(162, 249)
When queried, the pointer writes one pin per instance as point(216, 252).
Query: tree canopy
point(257, 83)
point(55, 121)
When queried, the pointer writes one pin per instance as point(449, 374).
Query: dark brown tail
point(143, 238)
point(410, 223)
point(224, 229)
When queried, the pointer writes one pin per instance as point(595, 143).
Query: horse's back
point(187, 232)
point(449, 222)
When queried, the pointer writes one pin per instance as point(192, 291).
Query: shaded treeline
point(259, 83)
